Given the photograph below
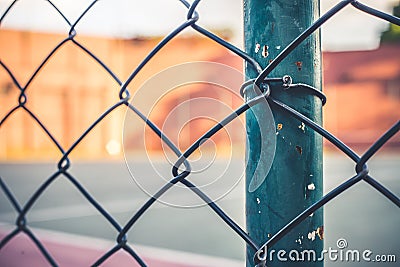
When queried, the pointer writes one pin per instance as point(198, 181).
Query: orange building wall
point(363, 91)
point(72, 90)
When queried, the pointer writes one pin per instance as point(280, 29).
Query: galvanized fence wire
point(260, 84)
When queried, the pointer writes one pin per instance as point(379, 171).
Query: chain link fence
point(182, 169)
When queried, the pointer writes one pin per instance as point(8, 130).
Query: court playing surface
point(361, 215)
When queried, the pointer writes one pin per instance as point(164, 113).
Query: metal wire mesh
point(64, 163)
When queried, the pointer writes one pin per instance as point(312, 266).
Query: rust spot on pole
point(265, 52)
point(299, 65)
point(320, 232)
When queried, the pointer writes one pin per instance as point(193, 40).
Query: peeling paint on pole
point(294, 181)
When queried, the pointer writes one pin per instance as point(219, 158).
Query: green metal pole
point(294, 181)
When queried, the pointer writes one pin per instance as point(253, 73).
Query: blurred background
point(361, 68)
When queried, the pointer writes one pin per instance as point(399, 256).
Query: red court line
point(74, 251)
